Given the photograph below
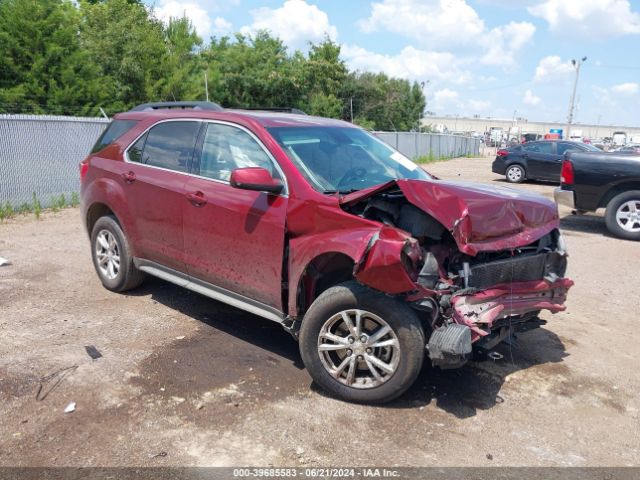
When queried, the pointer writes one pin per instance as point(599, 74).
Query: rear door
point(540, 158)
point(154, 180)
point(234, 239)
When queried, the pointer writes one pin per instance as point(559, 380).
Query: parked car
point(540, 160)
point(366, 259)
point(633, 149)
point(604, 180)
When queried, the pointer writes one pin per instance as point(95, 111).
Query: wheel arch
point(321, 273)
point(616, 190)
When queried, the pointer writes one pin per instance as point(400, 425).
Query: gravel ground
point(184, 380)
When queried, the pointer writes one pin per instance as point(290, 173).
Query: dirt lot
point(211, 385)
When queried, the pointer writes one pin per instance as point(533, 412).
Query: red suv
point(369, 261)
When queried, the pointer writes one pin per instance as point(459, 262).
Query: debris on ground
point(51, 381)
point(159, 454)
point(181, 337)
point(70, 408)
point(4, 261)
point(93, 352)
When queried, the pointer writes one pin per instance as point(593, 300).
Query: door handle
point(129, 177)
point(197, 198)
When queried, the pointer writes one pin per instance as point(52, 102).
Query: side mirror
point(255, 178)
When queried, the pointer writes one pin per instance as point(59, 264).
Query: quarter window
point(168, 145)
point(226, 148)
point(136, 150)
point(563, 147)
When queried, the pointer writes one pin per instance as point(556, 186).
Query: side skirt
point(209, 290)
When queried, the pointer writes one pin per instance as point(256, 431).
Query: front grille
point(516, 269)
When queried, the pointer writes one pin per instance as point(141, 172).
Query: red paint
point(480, 310)
point(236, 238)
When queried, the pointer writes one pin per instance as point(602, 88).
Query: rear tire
point(373, 358)
point(622, 216)
point(112, 257)
point(515, 173)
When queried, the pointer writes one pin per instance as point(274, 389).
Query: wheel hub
point(359, 349)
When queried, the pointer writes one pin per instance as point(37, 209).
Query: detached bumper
point(564, 197)
point(481, 310)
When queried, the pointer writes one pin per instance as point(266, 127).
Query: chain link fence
point(40, 154)
point(435, 145)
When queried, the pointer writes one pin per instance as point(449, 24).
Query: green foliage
point(75, 200)
point(431, 158)
point(25, 208)
point(74, 56)
point(37, 207)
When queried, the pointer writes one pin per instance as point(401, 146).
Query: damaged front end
point(479, 263)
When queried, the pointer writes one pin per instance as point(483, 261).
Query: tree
point(43, 67)
point(128, 46)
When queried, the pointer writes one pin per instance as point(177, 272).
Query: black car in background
point(540, 160)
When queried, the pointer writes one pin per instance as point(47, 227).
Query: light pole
point(576, 64)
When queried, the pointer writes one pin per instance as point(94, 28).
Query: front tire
point(623, 215)
point(360, 345)
point(112, 257)
point(515, 174)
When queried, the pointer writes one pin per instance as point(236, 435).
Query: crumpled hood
point(480, 217)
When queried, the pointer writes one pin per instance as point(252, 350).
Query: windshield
point(343, 159)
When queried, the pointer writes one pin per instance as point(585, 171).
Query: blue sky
point(475, 57)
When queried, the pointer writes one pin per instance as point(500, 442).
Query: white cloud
point(552, 68)
point(504, 42)
point(588, 18)
point(198, 16)
point(221, 27)
point(445, 99)
point(411, 64)
point(530, 98)
point(434, 22)
point(630, 88)
point(478, 106)
point(449, 25)
point(296, 23)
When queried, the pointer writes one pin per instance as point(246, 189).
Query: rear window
point(115, 130)
point(170, 145)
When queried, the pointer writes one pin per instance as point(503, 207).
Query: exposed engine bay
point(471, 299)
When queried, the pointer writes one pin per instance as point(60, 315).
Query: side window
point(136, 150)
point(539, 147)
point(169, 145)
point(226, 148)
point(563, 147)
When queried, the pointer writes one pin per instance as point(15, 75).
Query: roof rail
point(276, 109)
point(177, 105)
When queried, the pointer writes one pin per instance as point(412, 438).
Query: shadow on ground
point(234, 347)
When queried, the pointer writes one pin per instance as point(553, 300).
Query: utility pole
point(206, 85)
point(576, 64)
point(351, 108)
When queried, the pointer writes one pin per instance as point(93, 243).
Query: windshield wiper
point(341, 192)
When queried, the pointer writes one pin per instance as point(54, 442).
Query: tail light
point(84, 168)
point(502, 153)
point(566, 174)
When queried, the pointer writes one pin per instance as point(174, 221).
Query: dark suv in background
point(366, 259)
point(540, 160)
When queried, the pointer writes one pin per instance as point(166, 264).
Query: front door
point(154, 179)
point(234, 238)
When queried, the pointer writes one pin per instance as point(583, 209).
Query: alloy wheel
point(628, 216)
point(107, 254)
point(358, 349)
